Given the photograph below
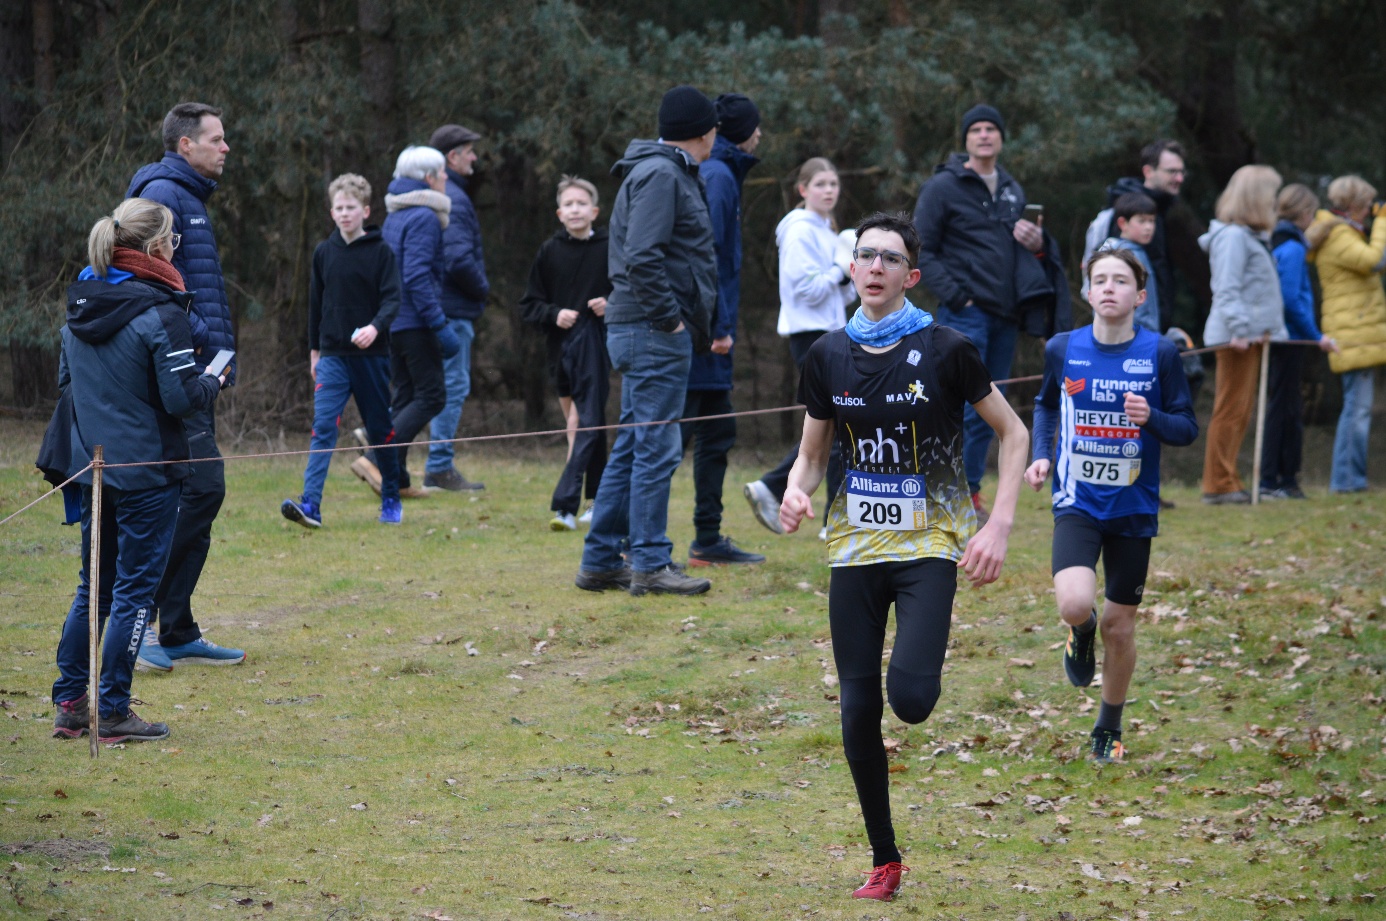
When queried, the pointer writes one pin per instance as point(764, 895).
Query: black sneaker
point(720, 551)
point(597, 581)
point(73, 719)
point(450, 480)
point(130, 728)
point(1080, 656)
point(667, 581)
point(1107, 747)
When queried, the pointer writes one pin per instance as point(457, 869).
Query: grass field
point(433, 723)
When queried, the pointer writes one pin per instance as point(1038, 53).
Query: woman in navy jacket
point(127, 357)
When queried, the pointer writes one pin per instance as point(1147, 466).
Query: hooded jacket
point(1354, 303)
point(1246, 286)
point(127, 355)
point(814, 290)
point(722, 176)
point(183, 190)
point(465, 287)
point(414, 230)
point(662, 258)
point(967, 249)
point(352, 285)
point(566, 274)
point(1291, 251)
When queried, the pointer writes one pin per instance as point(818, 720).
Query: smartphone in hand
point(217, 366)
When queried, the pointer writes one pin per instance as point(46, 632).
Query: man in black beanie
point(710, 378)
point(663, 268)
point(975, 248)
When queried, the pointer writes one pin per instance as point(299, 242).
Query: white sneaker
point(586, 516)
point(823, 533)
point(563, 521)
point(764, 505)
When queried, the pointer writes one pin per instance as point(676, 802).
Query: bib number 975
point(1116, 472)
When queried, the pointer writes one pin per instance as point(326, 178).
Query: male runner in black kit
point(891, 386)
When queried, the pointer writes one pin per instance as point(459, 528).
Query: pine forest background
point(313, 88)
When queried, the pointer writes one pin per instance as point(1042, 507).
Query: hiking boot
point(451, 480)
point(151, 654)
point(586, 516)
point(391, 512)
point(667, 581)
point(883, 883)
point(73, 720)
point(203, 651)
point(1236, 497)
point(721, 550)
point(980, 508)
point(301, 511)
point(764, 505)
point(599, 581)
point(1080, 656)
point(129, 728)
point(1107, 747)
point(370, 473)
point(563, 521)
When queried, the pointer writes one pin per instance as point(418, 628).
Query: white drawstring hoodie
point(812, 296)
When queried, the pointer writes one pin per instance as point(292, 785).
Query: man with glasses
point(973, 241)
point(890, 388)
point(1162, 175)
point(195, 152)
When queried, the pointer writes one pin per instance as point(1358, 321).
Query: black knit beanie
point(738, 117)
point(983, 113)
point(685, 113)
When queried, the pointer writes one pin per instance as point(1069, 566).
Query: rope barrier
point(515, 435)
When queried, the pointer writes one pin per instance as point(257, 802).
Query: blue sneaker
point(301, 511)
point(204, 652)
point(390, 511)
point(151, 654)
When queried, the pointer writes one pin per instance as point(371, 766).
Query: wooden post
point(94, 599)
point(1260, 423)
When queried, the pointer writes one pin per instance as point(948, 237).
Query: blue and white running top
point(1106, 467)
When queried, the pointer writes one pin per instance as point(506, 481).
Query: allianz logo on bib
point(1138, 366)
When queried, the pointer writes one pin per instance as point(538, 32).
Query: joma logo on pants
point(137, 634)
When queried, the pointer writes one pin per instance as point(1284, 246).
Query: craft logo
point(197, 220)
point(846, 400)
point(1138, 366)
point(1075, 387)
point(913, 357)
point(1096, 423)
point(1081, 362)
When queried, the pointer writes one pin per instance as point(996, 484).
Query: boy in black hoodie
point(353, 295)
point(566, 298)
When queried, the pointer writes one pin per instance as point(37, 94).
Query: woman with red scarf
point(127, 357)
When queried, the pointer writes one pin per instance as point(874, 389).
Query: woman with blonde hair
point(1354, 314)
point(127, 361)
point(1247, 313)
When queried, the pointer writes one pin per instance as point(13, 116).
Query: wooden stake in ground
point(1260, 424)
point(94, 597)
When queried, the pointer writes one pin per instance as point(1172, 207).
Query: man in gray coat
point(663, 268)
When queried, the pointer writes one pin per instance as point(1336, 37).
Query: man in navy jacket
point(977, 258)
point(710, 375)
point(463, 296)
point(195, 153)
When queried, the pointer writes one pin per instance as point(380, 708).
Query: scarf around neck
point(891, 328)
point(150, 268)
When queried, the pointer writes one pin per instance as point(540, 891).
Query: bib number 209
point(879, 514)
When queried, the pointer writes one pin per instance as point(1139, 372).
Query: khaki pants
point(1234, 399)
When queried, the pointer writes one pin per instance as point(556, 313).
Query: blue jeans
point(457, 377)
point(136, 532)
point(633, 499)
point(995, 339)
point(367, 378)
point(1354, 426)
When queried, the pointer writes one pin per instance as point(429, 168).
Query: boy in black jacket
point(353, 295)
point(566, 298)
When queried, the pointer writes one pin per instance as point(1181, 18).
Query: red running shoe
point(884, 882)
point(980, 508)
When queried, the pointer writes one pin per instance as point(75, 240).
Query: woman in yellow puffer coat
point(1354, 314)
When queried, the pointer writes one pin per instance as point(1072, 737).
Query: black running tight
point(859, 600)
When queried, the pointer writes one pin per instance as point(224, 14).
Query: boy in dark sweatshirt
point(566, 298)
point(353, 295)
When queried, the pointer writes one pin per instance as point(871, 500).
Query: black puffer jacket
point(128, 357)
